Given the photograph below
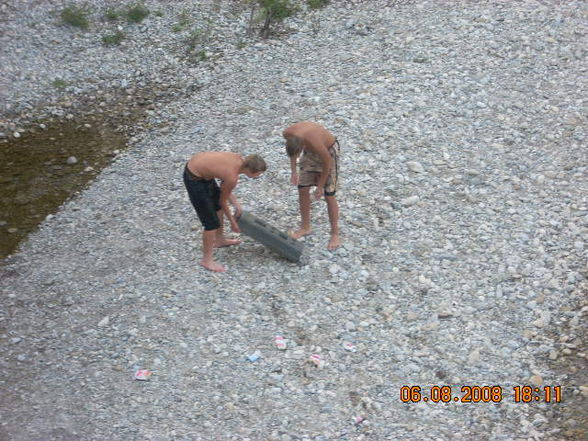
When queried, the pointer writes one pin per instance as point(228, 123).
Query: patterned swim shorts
point(311, 167)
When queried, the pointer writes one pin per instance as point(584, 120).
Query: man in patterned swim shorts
point(319, 166)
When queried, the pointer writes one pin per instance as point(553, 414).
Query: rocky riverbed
point(464, 216)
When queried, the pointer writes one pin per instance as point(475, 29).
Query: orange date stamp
point(480, 394)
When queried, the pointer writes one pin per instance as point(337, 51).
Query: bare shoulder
point(221, 165)
point(307, 130)
point(293, 129)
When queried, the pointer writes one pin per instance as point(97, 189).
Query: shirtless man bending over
point(211, 202)
point(318, 167)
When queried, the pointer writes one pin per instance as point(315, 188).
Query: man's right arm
point(289, 132)
point(293, 171)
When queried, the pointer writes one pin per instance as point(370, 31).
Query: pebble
point(474, 356)
point(415, 167)
point(536, 380)
point(410, 201)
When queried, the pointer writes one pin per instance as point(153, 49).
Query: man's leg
point(333, 210)
point(208, 241)
point(304, 203)
point(221, 240)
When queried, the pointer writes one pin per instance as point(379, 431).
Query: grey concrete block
point(270, 236)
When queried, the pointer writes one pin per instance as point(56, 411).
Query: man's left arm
point(226, 196)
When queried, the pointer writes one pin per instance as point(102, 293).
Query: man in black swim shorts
point(211, 202)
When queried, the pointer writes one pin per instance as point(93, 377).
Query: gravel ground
point(464, 216)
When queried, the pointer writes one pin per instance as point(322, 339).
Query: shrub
point(202, 55)
point(137, 13)
point(113, 39)
point(59, 84)
point(196, 44)
point(195, 39)
point(75, 16)
point(111, 14)
point(273, 11)
point(316, 4)
point(184, 21)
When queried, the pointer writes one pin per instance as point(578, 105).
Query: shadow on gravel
point(571, 416)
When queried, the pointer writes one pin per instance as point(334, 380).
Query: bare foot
point(225, 242)
point(213, 266)
point(299, 233)
point(334, 242)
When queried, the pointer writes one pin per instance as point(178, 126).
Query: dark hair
point(255, 163)
point(293, 146)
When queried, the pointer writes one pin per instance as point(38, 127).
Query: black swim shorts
point(205, 197)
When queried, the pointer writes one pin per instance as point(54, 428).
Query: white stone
point(415, 167)
point(410, 201)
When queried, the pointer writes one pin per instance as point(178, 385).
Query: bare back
point(314, 136)
point(220, 165)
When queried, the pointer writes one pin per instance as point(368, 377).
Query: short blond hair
point(293, 146)
point(254, 163)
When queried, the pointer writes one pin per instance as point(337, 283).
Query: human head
point(253, 166)
point(293, 146)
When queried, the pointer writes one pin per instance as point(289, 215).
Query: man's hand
point(294, 179)
point(234, 227)
point(318, 193)
point(238, 211)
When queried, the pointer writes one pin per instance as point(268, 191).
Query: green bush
point(202, 55)
point(277, 9)
point(273, 11)
point(113, 39)
point(316, 4)
point(112, 14)
point(59, 84)
point(196, 42)
point(184, 21)
point(195, 39)
point(137, 13)
point(75, 16)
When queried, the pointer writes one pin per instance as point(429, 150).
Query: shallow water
point(35, 178)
